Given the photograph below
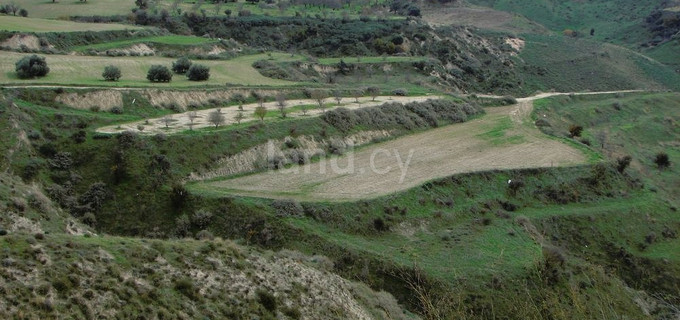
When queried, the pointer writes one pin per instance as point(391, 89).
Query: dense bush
point(395, 115)
point(181, 66)
point(662, 160)
point(111, 73)
point(31, 67)
point(405, 8)
point(198, 72)
point(159, 73)
point(288, 208)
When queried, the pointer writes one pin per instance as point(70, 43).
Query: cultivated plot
point(12, 23)
point(201, 118)
point(505, 138)
point(87, 70)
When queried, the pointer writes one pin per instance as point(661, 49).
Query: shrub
point(288, 208)
point(111, 73)
point(542, 123)
point(182, 225)
point(186, 287)
point(204, 235)
point(117, 110)
point(622, 163)
point(181, 66)
point(380, 225)
point(198, 72)
point(31, 67)
point(662, 160)
point(400, 92)
point(266, 299)
point(575, 130)
point(201, 218)
point(159, 73)
point(61, 161)
point(508, 100)
point(23, 13)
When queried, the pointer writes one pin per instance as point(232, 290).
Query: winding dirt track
point(505, 138)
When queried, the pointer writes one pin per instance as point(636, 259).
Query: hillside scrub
point(83, 277)
point(409, 116)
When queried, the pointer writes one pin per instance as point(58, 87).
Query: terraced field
point(181, 122)
point(11, 23)
point(505, 138)
point(87, 70)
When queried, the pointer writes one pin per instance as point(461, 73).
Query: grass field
point(651, 119)
point(86, 71)
point(505, 138)
point(618, 21)
point(68, 8)
point(568, 64)
point(169, 40)
point(11, 23)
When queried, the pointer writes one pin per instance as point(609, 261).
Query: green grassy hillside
point(556, 62)
point(621, 21)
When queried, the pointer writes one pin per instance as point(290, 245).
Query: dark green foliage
point(380, 225)
point(198, 72)
point(179, 195)
point(159, 73)
point(266, 299)
point(201, 218)
point(23, 12)
point(111, 73)
point(93, 199)
point(575, 130)
point(31, 67)
point(622, 163)
point(405, 8)
point(288, 208)
point(181, 66)
point(395, 115)
point(186, 287)
point(662, 160)
point(142, 4)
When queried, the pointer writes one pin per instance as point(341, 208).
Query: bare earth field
point(505, 138)
point(180, 122)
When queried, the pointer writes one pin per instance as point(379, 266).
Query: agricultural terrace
point(12, 23)
point(87, 70)
point(294, 109)
point(505, 138)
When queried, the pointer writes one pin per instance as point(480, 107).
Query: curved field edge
point(504, 138)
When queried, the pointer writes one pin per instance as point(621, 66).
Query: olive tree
point(31, 67)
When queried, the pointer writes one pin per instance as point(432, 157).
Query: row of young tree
point(35, 66)
point(218, 118)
